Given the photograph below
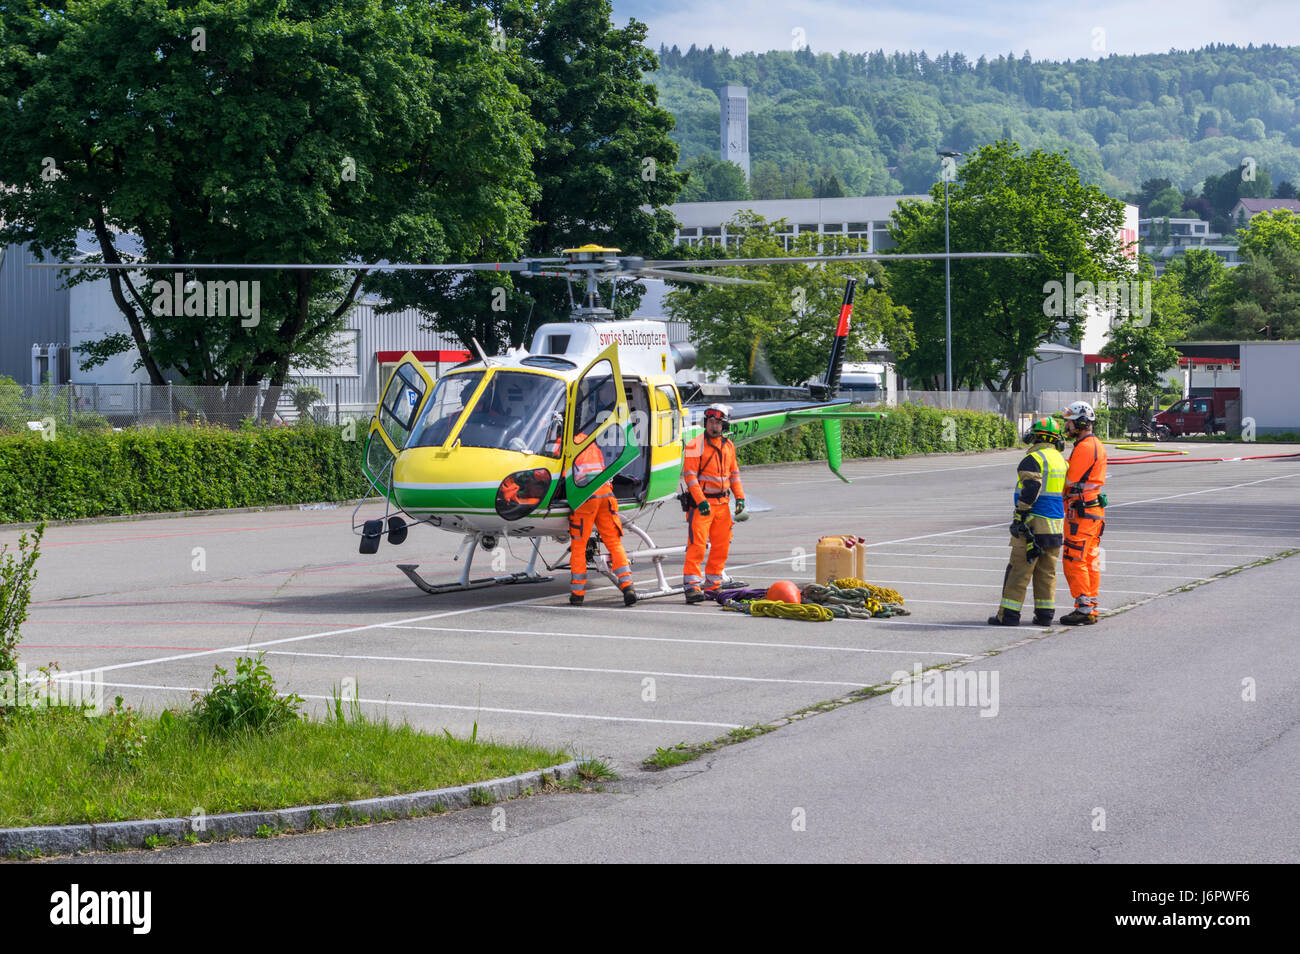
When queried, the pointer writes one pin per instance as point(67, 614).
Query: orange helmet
point(785, 592)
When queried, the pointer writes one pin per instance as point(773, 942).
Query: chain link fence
point(92, 406)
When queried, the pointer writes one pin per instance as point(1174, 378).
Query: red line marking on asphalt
point(152, 622)
point(103, 646)
point(192, 533)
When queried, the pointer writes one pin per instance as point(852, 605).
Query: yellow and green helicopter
point(488, 449)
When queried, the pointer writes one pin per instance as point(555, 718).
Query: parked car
point(1190, 416)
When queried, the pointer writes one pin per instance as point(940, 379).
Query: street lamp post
point(948, 167)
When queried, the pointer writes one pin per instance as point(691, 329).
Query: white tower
point(735, 125)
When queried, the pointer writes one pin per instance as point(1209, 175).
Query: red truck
point(1200, 415)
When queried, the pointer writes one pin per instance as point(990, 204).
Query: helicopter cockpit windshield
point(517, 410)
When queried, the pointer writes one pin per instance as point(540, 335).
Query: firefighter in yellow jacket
point(711, 475)
point(1037, 526)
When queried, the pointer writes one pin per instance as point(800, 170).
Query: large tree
point(1141, 346)
point(780, 331)
point(1003, 310)
point(605, 168)
point(244, 131)
point(1260, 298)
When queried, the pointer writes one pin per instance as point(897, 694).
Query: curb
point(111, 836)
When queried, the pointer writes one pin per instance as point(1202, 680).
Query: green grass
point(52, 772)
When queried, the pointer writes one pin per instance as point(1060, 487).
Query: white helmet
point(1080, 411)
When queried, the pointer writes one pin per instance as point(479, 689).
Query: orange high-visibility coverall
point(599, 511)
point(710, 471)
point(1085, 519)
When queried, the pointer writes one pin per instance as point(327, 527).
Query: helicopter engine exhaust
point(683, 356)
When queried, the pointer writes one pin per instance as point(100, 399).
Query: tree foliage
point(246, 132)
point(605, 169)
point(1141, 346)
point(780, 332)
point(713, 180)
point(876, 118)
point(1003, 310)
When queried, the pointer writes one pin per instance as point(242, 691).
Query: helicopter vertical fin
point(840, 344)
point(833, 430)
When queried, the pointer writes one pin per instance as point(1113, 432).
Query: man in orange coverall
point(710, 471)
point(599, 511)
point(1085, 514)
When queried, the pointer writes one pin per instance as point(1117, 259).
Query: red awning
point(1193, 363)
point(425, 357)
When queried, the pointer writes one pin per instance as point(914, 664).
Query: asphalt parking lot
point(156, 604)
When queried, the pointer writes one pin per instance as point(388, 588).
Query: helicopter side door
point(404, 397)
point(596, 429)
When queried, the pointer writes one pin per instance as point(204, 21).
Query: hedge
point(907, 429)
point(154, 470)
point(167, 469)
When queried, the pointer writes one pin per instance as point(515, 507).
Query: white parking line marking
point(295, 639)
point(1109, 562)
point(669, 639)
point(443, 705)
point(621, 672)
point(1003, 546)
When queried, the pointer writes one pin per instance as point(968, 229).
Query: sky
point(1048, 30)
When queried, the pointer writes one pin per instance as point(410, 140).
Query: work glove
point(1017, 524)
point(741, 515)
point(1031, 550)
point(703, 507)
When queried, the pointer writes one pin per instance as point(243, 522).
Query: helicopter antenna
point(479, 348)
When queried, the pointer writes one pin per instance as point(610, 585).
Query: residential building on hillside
point(1246, 209)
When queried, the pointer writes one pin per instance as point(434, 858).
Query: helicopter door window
point(401, 403)
point(597, 400)
point(450, 396)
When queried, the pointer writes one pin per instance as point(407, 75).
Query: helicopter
point(488, 449)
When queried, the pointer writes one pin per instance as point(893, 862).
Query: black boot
point(629, 596)
point(1005, 617)
point(1044, 617)
point(694, 594)
point(1077, 618)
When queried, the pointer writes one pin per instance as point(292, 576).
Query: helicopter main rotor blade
point(789, 259)
point(527, 266)
point(691, 277)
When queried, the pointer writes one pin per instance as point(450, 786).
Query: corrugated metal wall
point(33, 310)
point(400, 331)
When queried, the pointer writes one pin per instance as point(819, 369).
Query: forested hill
point(1178, 116)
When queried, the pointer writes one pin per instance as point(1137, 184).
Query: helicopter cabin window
point(517, 411)
point(445, 407)
point(667, 422)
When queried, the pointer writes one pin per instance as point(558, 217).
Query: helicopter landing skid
point(465, 583)
point(435, 588)
point(656, 556)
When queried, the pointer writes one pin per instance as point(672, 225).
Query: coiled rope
point(809, 612)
